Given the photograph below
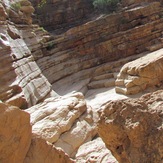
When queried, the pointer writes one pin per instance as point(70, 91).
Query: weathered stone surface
point(99, 41)
point(22, 83)
point(66, 122)
point(62, 14)
point(41, 151)
point(15, 134)
point(132, 129)
point(140, 74)
point(94, 151)
point(3, 14)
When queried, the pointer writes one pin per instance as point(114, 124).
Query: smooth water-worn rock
point(132, 128)
point(66, 122)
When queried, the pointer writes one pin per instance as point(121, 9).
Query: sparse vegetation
point(41, 4)
point(106, 5)
point(16, 6)
point(42, 29)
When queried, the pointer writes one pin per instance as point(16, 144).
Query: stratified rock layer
point(140, 74)
point(22, 83)
point(133, 129)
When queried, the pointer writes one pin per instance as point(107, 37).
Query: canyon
point(78, 85)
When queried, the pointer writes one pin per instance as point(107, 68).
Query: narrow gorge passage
point(72, 78)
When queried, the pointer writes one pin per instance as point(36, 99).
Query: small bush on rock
point(106, 5)
point(16, 6)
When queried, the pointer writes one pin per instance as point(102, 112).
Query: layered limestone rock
point(132, 129)
point(101, 40)
point(22, 83)
point(19, 145)
point(140, 74)
point(67, 122)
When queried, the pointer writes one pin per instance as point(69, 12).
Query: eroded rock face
point(57, 14)
point(140, 74)
point(132, 129)
point(20, 11)
point(15, 134)
point(66, 122)
point(22, 83)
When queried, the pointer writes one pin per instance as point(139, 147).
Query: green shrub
point(106, 5)
point(16, 6)
point(41, 4)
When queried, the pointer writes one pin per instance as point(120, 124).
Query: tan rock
point(140, 74)
point(66, 122)
point(94, 151)
point(41, 151)
point(132, 129)
point(15, 134)
point(3, 14)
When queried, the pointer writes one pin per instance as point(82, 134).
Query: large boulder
point(15, 134)
point(141, 74)
point(132, 128)
point(66, 122)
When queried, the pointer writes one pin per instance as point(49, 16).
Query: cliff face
point(80, 49)
point(36, 65)
point(63, 15)
point(21, 79)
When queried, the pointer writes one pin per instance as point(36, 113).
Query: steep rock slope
point(132, 129)
point(22, 83)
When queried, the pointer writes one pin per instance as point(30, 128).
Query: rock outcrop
point(141, 74)
point(132, 129)
point(22, 83)
point(99, 41)
point(19, 145)
point(67, 122)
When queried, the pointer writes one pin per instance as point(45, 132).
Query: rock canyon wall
point(84, 50)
